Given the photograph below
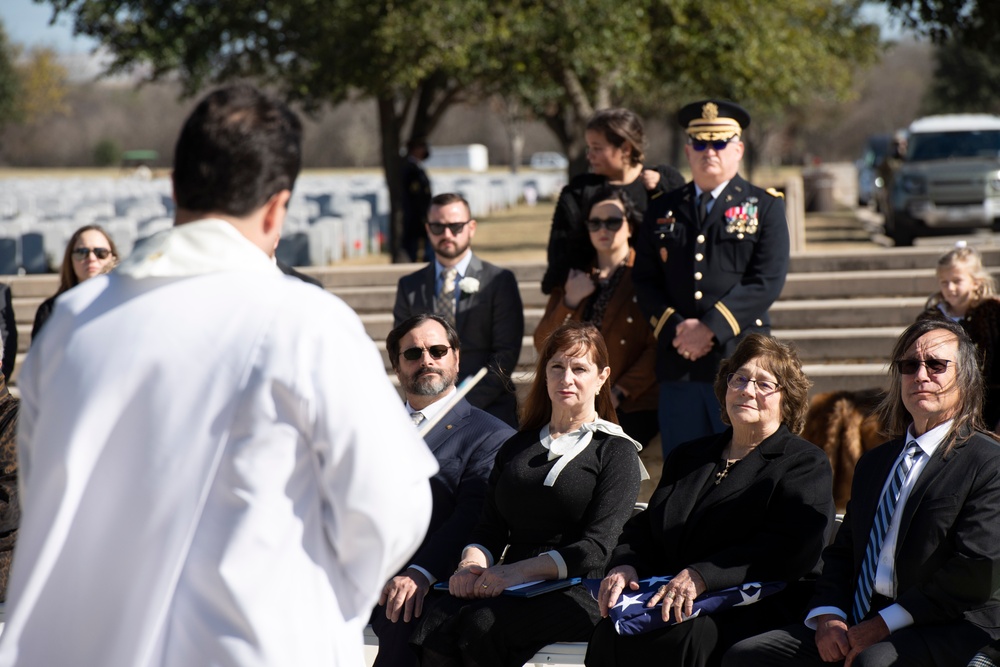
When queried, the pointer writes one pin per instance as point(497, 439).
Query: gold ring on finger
point(486, 586)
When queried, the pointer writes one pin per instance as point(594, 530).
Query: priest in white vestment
point(215, 469)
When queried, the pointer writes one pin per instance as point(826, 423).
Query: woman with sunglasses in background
point(603, 296)
point(90, 252)
point(615, 145)
point(558, 495)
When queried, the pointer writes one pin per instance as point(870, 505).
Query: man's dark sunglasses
point(610, 224)
point(717, 145)
point(415, 353)
point(437, 228)
point(911, 366)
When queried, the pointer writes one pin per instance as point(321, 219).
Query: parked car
point(876, 148)
point(949, 180)
point(548, 160)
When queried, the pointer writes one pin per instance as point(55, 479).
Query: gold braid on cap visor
point(715, 129)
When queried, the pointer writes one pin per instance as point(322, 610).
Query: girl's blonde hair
point(970, 258)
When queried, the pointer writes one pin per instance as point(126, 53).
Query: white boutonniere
point(469, 285)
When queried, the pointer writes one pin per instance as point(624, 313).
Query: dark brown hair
point(620, 126)
point(580, 339)
point(782, 361)
point(616, 193)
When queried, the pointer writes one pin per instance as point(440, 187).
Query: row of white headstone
point(330, 217)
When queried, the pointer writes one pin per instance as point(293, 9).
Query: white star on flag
point(747, 599)
point(628, 601)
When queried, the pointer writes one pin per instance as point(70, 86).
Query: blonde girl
point(968, 295)
point(963, 282)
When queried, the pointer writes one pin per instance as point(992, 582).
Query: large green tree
point(574, 56)
point(415, 58)
point(973, 23)
point(965, 81)
point(557, 59)
point(10, 81)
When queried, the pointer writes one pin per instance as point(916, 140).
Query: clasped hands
point(835, 641)
point(472, 580)
point(678, 594)
point(693, 339)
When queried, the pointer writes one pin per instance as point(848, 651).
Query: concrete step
point(818, 346)
point(879, 259)
point(846, 313)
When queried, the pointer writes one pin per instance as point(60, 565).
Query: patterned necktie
point(445, 303)
point(703, 201)
point(880, 526)
point(417, 417)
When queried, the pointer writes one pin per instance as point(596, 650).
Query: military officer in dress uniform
point(711, 258)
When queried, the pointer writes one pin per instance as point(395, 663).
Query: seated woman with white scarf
point(560, 491)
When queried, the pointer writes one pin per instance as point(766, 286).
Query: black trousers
point(394, 648)
point(947, 645)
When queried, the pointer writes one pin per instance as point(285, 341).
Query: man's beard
point(429, 382)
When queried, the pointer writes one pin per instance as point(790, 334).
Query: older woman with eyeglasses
point(604, 296)
point(90, 252)
point(752, 504)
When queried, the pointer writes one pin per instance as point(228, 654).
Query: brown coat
point(631, 346)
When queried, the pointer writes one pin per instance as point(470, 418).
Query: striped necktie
point(880, 526)
point(445, 302)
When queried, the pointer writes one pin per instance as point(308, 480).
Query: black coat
point(725, 274)
point(947, 563)
point(766, 521)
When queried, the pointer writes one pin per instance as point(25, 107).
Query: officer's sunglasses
point(718, 146)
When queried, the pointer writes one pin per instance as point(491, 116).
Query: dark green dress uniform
point(726, 272)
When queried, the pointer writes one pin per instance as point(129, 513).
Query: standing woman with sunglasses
point(603, 295)
point(615, 145)
point(90, 252)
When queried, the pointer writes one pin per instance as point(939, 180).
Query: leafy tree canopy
point(974, 23)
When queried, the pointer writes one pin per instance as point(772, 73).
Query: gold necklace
point(721, 475)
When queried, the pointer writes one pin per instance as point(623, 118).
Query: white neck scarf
point(569, 445)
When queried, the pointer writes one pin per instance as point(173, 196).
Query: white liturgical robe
point(215, 469)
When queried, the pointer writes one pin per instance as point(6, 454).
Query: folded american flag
point(632, 617)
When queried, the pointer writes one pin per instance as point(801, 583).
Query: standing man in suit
point(912, 576)
point(424, 353)
point(416, 199)
point(711, 258)
point(481, 300)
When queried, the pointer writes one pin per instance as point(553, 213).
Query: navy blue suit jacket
point(490, 324)
point(465, 443)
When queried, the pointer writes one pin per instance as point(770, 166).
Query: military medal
point(742, 219)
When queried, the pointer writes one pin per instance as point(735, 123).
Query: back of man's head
point(237, 149)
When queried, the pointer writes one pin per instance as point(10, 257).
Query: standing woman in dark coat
point(752, 504)
point(559, 493)
point(615, 144)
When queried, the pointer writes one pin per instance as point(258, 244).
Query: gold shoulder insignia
point(775, 193)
